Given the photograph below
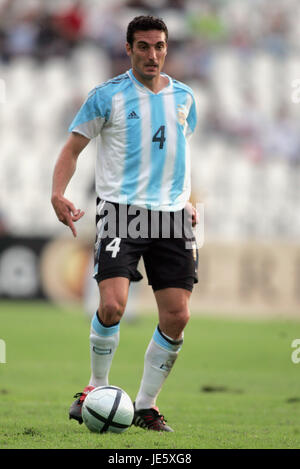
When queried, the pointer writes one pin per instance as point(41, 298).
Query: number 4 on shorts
point(114, 247)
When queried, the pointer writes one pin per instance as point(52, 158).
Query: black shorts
point(165, 240)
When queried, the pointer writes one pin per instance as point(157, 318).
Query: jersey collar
point(143, 87)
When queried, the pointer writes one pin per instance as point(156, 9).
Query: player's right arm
point(64, 169)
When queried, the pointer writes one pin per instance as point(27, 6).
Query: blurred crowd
point(239, 56)
point(46, 28)
point(199, 29)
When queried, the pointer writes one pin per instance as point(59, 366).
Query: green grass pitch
point(234, 384)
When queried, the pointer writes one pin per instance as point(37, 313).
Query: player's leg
point(116, 261)
point(172, 271)
point(104, 337)
point(173, 310)
point(163, 349)
point(105, 328)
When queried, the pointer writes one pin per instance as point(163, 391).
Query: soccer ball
point(107, 409)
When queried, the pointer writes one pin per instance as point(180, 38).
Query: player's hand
point(193, 213)
point(66, 212)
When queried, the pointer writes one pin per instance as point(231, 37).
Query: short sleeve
point(192, 117)
point(91, 116)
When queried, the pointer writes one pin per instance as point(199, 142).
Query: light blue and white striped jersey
point(143, 155)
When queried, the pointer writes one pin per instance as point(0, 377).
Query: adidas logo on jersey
point(133, 115)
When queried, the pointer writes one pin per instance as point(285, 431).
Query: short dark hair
point(145, 23)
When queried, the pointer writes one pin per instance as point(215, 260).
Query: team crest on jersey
point(181, 114)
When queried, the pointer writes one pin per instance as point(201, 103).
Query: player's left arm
point(192, 211)
point(191, 125)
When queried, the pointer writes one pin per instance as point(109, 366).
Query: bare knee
point(113, 298)
point(111, 312)
point(173, 321)
point(180, 318)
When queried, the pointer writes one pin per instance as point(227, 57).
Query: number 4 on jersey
point(114, 247)
point(159, 136)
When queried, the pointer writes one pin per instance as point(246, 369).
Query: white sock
point(104, 341)
point(160, 357)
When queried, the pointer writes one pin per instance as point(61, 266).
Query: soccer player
point(143, 119)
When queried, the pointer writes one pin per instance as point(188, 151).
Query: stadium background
point(242, 59)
